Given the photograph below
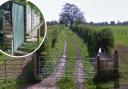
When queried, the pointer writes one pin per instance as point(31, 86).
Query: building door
point(18, 25)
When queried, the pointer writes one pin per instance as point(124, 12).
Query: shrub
point(95, 39)
point(105, 39)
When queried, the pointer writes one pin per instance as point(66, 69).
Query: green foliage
point(23, 2)
point(30, 76)
point(106, 39)
point(29, 47)
point(95, 39)
point(19, 0)
point(66, 83)
point(54, 38)
point(54, 32)
point(2, 57)
point(44, 48)
point(120, 33)
point(96, 85)
point(69, 83)
point(30, 72)
point(71, 14)
point(12, 84)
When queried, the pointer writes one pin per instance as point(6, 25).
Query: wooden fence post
point(35, 64)
point(66, 66)
point(5, 71)
point(38, 36)
point(125, 32)
point(98, 65)
point(116, 64)
point(116, 70)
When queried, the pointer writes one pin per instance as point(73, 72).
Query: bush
point(95, 39)
point(54, 38)
point(105, 39)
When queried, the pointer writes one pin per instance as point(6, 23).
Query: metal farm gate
point(66, 67)
point(91, 69)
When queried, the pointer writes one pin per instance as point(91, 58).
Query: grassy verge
point(119, 37)
point(57, 50)
point(11, 84)
point(72, 37)
point(54, 52)
point(2, 57)
point(121, 44)
point(29, 47)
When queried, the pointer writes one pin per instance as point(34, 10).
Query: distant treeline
point(107, 24)
point(112, 23)
point(52, 23)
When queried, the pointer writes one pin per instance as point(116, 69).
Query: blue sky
point(94, 10)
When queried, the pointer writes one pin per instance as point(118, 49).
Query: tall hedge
point(95, 39)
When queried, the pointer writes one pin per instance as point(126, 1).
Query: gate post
point(98, 65)
point(38, 36)
point(66, 66)
point(116, 64)
point(5, 72)
point(116, 69)
point(35, 64)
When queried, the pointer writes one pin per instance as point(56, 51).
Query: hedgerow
point(95, 39)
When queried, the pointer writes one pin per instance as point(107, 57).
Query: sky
point(94, 10)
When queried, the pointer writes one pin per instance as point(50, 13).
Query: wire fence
point(11, 72)
point(109, 80)
point(122, 32)
point(51, 66)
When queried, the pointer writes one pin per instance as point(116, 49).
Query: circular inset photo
point(22, 28)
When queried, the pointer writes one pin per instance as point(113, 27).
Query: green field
point(55, 44)
point(120, 39)
point(120, 33)
point(57, 35)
